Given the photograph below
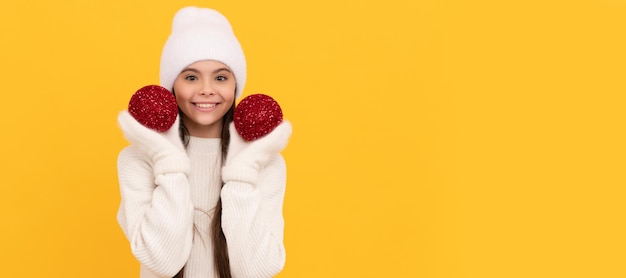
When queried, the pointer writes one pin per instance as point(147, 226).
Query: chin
point(210, 123)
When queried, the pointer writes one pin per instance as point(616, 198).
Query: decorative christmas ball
point(257, 115)
point(154, 107)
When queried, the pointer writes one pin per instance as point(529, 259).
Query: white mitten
point(245, 159)
point(165, 149)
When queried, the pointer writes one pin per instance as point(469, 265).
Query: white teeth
point(205, 105)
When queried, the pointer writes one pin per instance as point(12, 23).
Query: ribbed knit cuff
point(241, 173)
point(173, 163)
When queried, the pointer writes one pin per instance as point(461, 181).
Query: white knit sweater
point(167, 219)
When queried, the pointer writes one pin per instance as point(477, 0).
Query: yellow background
point(433, 138)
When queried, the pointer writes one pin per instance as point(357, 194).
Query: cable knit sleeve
point(252, 221)
point(156, 214)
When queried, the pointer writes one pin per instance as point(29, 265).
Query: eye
point(221, 78)
point(191, 77)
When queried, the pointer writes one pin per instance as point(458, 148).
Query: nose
point(207, 90)
point(207, 87)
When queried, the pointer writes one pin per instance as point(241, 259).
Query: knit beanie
point(201, 34)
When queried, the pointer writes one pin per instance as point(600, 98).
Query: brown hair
point(220, 248)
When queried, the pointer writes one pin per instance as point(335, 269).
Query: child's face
point(205, 90)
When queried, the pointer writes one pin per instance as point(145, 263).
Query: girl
point(198, 200)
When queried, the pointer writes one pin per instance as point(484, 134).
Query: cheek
point(178, 95)
point(182, 89)
point(229, 100)
point(181, 93)
point(228, 94)
point(178, 99)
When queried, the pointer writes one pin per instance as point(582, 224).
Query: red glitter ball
point(154, 107)
point(256, 115)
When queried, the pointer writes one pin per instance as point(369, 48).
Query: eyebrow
point(214, 72)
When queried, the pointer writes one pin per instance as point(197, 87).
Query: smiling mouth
point(205, 105)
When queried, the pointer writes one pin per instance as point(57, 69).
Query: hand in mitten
point(165, 149)
point(246, 158)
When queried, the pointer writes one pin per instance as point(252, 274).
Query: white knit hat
point(201, 34)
